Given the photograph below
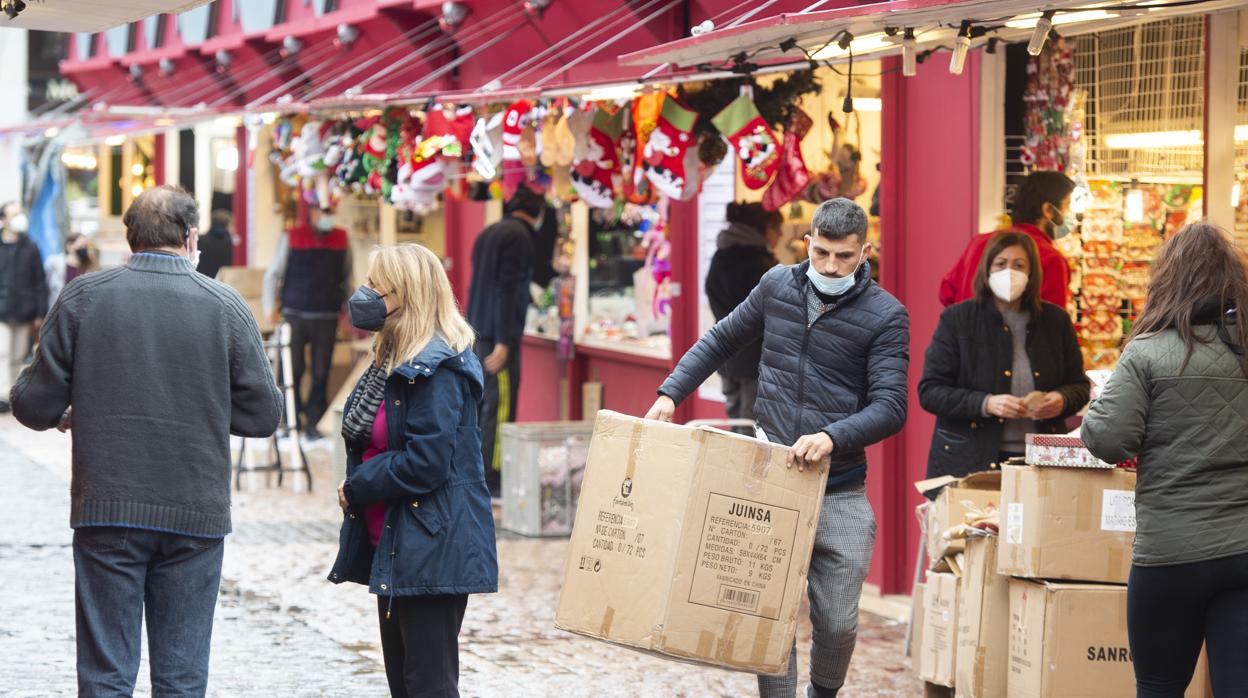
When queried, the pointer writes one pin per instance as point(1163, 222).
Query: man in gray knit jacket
point(160, 365)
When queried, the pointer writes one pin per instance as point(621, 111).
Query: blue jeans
point(120, 573)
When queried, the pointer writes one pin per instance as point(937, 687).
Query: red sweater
point(959, 284)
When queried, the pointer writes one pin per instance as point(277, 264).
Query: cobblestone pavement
point(282, 630)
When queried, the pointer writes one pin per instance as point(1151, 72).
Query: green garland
point(774, 103)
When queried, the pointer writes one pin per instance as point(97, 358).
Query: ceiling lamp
point(453, 15)
point(961, 45)
point(909, 54)
point(347, 34)
point(290, 46)
point(13, 8)
point(536, 8)
point(1041, 34)
point(136, 71)
point(167, 66)
point(224, 59)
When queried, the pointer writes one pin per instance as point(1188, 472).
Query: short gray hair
point(837, 219)
point(159, 218)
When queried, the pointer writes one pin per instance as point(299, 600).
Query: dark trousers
point(1172, 609)
point(120, 573)
point(739, 397)
point(319, 336)
point(420, 644)
point(498, 406)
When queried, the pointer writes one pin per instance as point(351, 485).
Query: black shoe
point(5, 407)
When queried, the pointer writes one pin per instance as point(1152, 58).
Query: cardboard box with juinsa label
point(1067, 523)
point(692, 543)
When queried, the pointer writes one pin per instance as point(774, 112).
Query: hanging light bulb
point(1040, 34)
point(347, 34)
point(290, 46)
point(961, 46)
point(1134, 200)
point(167, 67)
point(909, 54)
point(453, 15)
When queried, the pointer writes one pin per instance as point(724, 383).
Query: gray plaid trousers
point(838, 566)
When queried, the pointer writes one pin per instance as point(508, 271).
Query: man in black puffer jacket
point(832, 381)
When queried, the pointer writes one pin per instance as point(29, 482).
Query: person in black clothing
point(216, 247)
point(498, 298)
point(1001, 365)
point(23, 294)
point(743, 256)
point(312, 265)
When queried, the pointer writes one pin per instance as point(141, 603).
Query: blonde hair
point(426, 307)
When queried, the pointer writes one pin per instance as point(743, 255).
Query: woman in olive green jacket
point(1178, 401)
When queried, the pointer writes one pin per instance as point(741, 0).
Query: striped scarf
point(361, 411)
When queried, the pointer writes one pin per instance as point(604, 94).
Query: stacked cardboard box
point(1040, 610)
point(956, 572)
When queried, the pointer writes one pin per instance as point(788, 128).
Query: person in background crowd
point(216, 247)
point(1041, 211)
point(23, 294)
point(312, 266)
point(1000, 366)
point(742, 258)
point(80, 257)
point(1178, 402)
point(418, 528)
point(498, 298)
point(832, 381)
point(160, 366)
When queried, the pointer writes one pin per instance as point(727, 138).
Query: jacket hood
point(437, 354)
point(740, 234)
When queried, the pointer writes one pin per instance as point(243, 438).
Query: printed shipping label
point(1118, 511)
point(744, 556)
point(1014, 523)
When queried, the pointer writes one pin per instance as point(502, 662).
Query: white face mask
point(19, 223)
point(1007, 284)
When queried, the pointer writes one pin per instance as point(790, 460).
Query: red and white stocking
point(665, 150)
point(597, 162)
point(756, 144)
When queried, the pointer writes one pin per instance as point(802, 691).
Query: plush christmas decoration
point(514, 119)
point(643, 119)
point(549, 146)
point(665, 149)
point(453, 128)
point(792, 175)
point(565, 138)
point(593, 175)
point(487, 145)
point(756, 145)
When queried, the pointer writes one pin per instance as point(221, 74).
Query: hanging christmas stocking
point(792, 175)
point(665, 149)
point(592, 175)
point(513, 132)
point(755, 143)
point(487, 145)
point(642, 121)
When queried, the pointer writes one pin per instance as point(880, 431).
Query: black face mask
point(367, 309)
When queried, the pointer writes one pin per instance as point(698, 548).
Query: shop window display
point(629, 277)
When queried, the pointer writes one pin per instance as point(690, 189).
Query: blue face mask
point(829, 286)
point(367, 309)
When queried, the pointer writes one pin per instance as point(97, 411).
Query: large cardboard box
point(938, 662)
point(949, 508)
point(692, 543)
point(1069, 640)
point(1067, 523)
point(983, 623)
point(917, 620)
